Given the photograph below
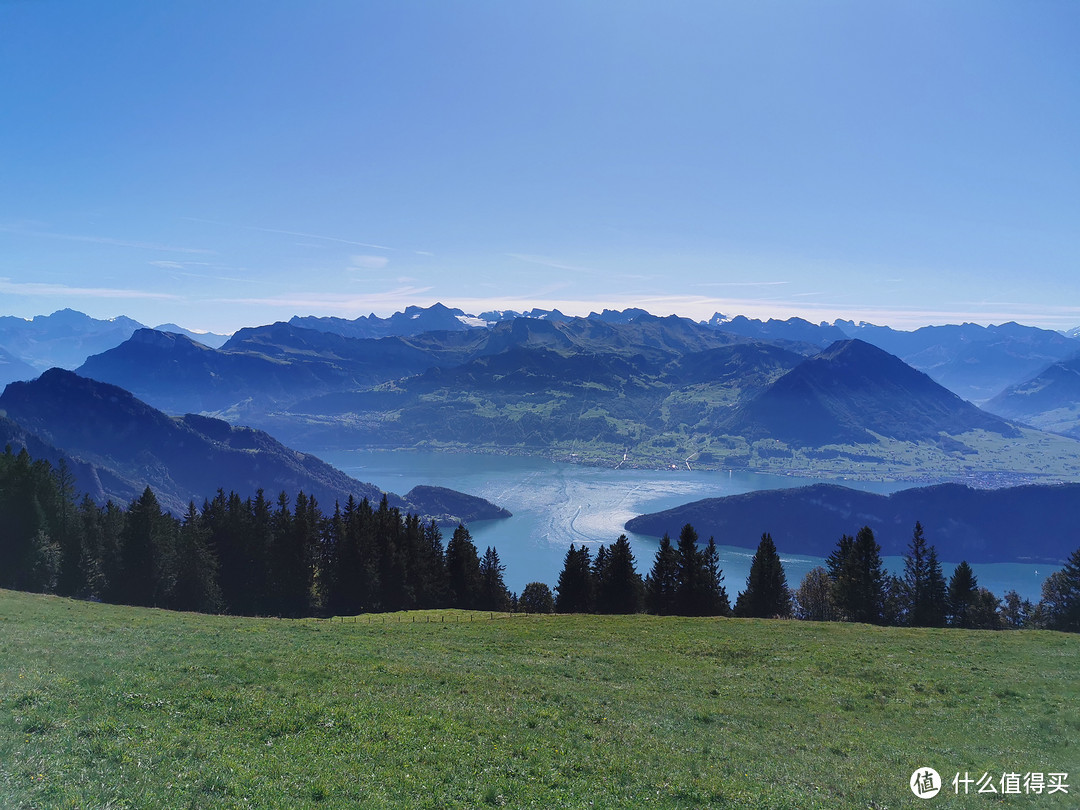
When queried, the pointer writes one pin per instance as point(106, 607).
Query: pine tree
point(599, 580)
point(24, 537)
point(1060, 606)
point(937, 602)
point(574, 591)
point(713, 599)
point(924, 602)
point(196, 585)
point(688, 591)
point(291, 557)
point(621, 590)
point(66, 534)
point(895, 606)
point(963, 592)
point(662, 584)
point(858, 578)
point(431, 564)
point(766, 595)
point(113, 520)
point(463, 570)
point(494, 595)
point(148, 553)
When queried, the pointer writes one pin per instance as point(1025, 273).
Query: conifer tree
point(858, 578)
point(621, 590)
point(937, 592)
point(493, 595)
point(148, 553)
point(766, 595)
point(65, 532)
point(431, 565)
point(714, 597)
point(963, 592)
point(689, 590)
point(463, 570)
point(196, 585)
point(924, 584)
point(574, 591)
point(662, 583)
point(1060, 606)
point(108, 552)
point(291, 557)
point(25, 552)
point(598, 580)
point(894, 603)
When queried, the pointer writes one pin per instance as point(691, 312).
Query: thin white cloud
point(322, 237)
point(26, 288)
point(103, 240)
point(368, 262)
point(545, 261)
point(741, 284)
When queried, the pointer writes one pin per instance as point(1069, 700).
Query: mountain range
point(116, 445)
point(1032, 524)
point(65, 339)
point(732, 392)
point(975, 362)
point(1049, 401)
point(614, 388)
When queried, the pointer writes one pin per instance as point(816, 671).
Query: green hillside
point(104, 706)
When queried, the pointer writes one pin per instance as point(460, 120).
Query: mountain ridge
point(1015, 524)
point(181, 458)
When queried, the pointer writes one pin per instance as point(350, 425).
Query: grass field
point(116, 707)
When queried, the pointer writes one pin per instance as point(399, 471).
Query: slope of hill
point(1048, 401)
point(973, 361)
point(262, 368)
point(1033, 524)
point(853, 390)
point(544, 392)
point(467, 710)
point(87, 478)
point(12, 369)
point(184, 458)
point(214, 341)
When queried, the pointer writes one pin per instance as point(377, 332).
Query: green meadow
point(115, 707)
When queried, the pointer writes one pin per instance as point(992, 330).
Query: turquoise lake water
point(556, 504)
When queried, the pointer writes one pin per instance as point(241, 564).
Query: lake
point(556, 504)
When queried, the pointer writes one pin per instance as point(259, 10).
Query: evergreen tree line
point(685, 580)
point(254, 556)
point(246, 556)
point(854, 586)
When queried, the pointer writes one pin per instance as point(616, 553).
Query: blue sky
point(228, 164)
